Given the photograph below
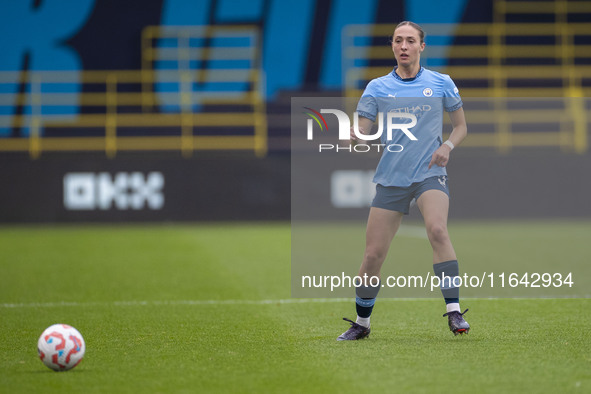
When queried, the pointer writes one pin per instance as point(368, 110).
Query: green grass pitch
point(207, 308)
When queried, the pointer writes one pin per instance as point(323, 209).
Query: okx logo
point(123, 191)
point(387, 126)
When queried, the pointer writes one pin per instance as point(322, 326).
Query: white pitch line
point(174, 302)
point(246, 302)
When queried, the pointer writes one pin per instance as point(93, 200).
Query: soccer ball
point(61, 347)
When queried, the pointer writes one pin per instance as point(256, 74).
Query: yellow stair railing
point(491, 61)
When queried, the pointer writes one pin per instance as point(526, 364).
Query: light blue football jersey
point(426, 96)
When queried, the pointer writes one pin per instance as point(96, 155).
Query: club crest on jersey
point(427, 92)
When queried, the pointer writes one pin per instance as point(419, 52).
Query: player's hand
point(352, 135)
point(441, 156)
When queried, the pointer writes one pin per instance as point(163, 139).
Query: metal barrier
point(154, 109)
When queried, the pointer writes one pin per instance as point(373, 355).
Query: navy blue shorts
point(398, 199)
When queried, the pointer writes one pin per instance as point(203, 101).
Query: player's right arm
point(365, 125)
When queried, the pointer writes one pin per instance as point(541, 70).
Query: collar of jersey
point(406, 79)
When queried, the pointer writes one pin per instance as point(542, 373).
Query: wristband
point(450, 144)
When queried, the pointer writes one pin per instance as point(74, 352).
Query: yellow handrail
point(489, 58)
point(122, 99)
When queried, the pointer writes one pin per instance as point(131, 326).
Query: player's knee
point(437, 232)
point(374, 256)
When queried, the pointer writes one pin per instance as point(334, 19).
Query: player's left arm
point(458, 133)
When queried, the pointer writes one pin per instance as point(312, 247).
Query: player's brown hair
point(415, 26)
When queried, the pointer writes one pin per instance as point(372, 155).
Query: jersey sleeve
point(368, 105)
point(451, 96)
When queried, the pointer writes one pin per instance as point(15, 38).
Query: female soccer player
point(417, 172)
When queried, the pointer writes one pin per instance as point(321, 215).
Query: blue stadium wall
point(301, 39)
